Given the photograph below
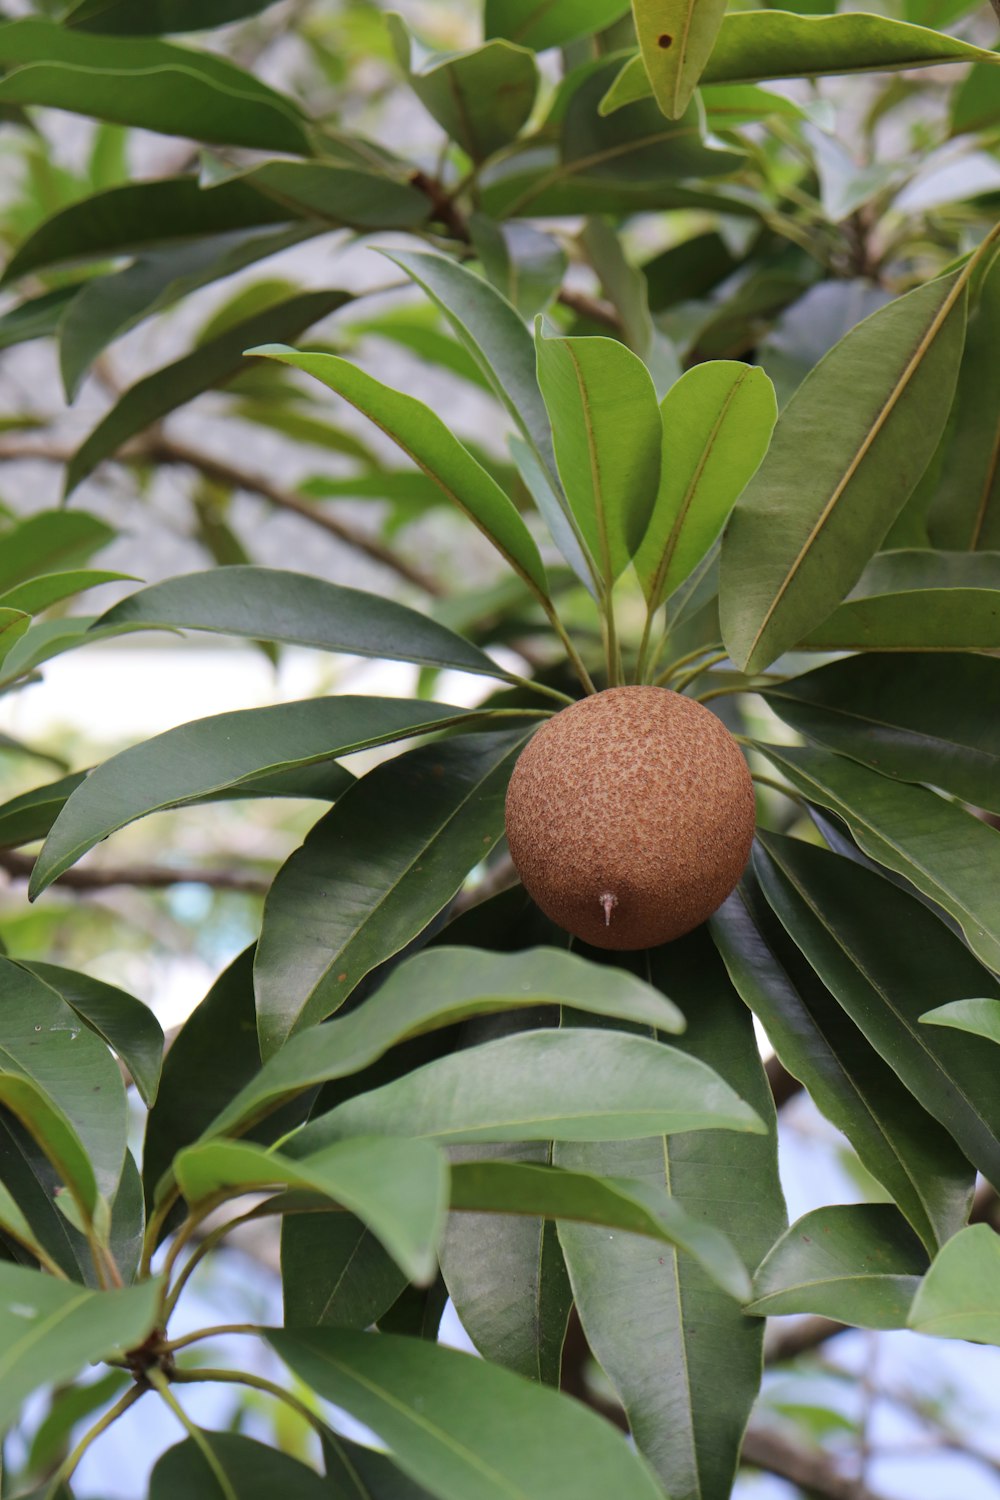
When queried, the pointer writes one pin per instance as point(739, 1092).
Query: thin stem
point(161, 1385)
point(67, 1468)
point(683, 661)
point(777, 786)
point(184, 1233)
point(576, 660)
point(689, 677)
point(647, 630)
point(220, 1330)
point(256, 1383)
point(156, 1222)
point(541, 687)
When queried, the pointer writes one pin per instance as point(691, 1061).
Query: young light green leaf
point(903, 1146)
point(577, 1085)
point(210, 365)
point(50, 1329)
point(539, 24)
point(53, 1133)
point(664, 1350)
point(717, 423)
point(607, 435)
point(438, 453)
point(859, 1263)
point(398, 1188)
point(437, 988)
point(958, 1298)
point(374, 872)
point(120, 1019)
point(481, 97)
point(827, 492)
point(916, 717)
point(48, 540)
point(222, 753)
point(918, 600)
point(511, 1187)
point(676, 38)
point(981, 1017)
point(37, 594)
point(936, 845)
point(462, 1426)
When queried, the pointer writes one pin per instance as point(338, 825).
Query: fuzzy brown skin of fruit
point(630, 816)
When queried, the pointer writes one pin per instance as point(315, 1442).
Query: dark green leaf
point(464, 1427)
point(827, 492)
point(239, 1469)
point(366, 1475)
point(150, 84)
point(974, 104)
point(128, 1221)
point(38, 318)
point(894, 1137)
point(274, 605)
point(352, 195)
point(937, 846)
point(682, 1355)
point(676, 38)
point(539, 24)
point(958, 1298)
point(210, 365)
point(717, 422)
point(524, 264)
point(156, 17)
point(859, 1263)
point(481, 98)
point(14, 624)
point(578, 1085)
point(399, 1188)
point(123, 1021)
point(980, 1017)
point(424, 438)
point(918, 600)
point(887, 958)
point(912, 718)
point(608, 436)
point(335, 1273)
point(45, 1041)
point(688, 271)
point(38, 594)
point(69, 1406)
point(438, 988)
point(49, 1329)
point(373, 873)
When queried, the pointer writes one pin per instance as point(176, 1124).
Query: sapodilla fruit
point(630, 816)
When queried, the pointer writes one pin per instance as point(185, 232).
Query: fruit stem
point(608, 903)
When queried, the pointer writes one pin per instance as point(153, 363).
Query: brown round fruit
point(630, 816)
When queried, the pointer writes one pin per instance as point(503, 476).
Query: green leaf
point(524, 264)
point(48, 540)
point(683, 1357)
point(776, 44)
point(368, 1475)
point(626, 288)
point(438, 988)
point(16, 1226)
point(607, 435)
point(730, 105)
point(551, 505)
point(827, 492)
point(38, 318)
point(108, 306)
point(210, 365)
point(37, 594)
point(717, 422)
point(918, 600)
point(859, 1263)
point(127, 1025)
point(69, 1406)
point(480, 98)
point(335, 1273)
point(229, 1466)
point(688, 271)
point(895, 1138)
point(539, 24)
point(676, 38)
point(14, 624)
point(423, 437)
point(945, 852)
point(505, 1272)
point(219, 753)
point(957, 1299)
point(911, 718)
point(578, 1085)
point(965, 510)
point(463, 1427)
point(156, 17)
point(150, 84)
point(974, 103)
point(885, 957)
point(399, 1188)
point(373, 873)
point(980, 1017)
point(493, 334)
point(294, 608)
point(50, 1329)
point(45, 1042)
point(512, 1187)
point(30, 816)
point(128, 1221)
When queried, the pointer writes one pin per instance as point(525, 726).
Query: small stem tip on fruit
point(608, 902)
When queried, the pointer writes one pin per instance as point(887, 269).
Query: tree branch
point(787, 1340)
point(19, 867)
point(812, 1472)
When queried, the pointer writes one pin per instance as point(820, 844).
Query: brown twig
point(783, 1085)
point(811, 1472)
point(19, 867)
point(787, 1340)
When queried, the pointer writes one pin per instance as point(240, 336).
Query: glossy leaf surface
point(676, 38)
